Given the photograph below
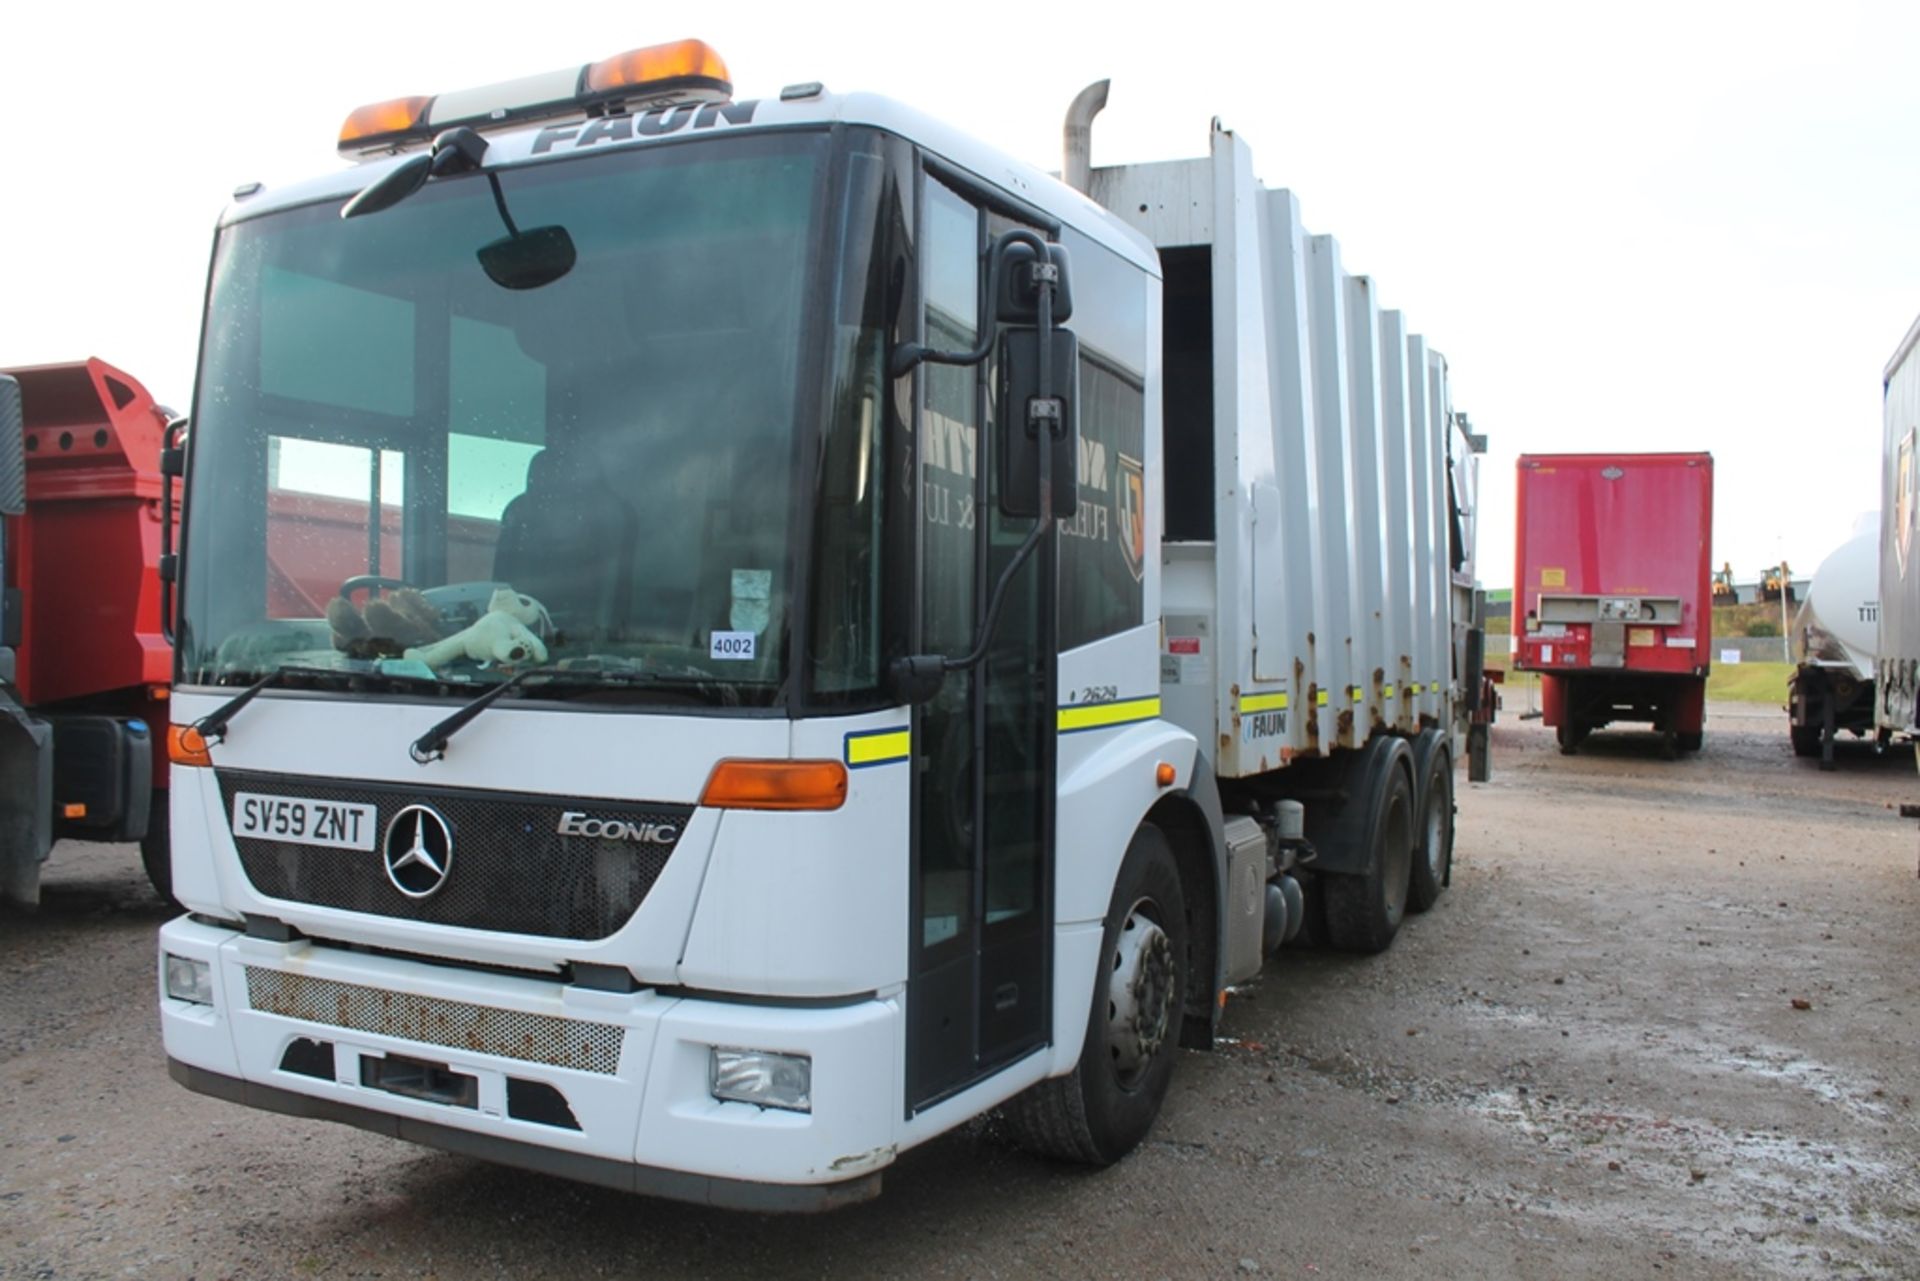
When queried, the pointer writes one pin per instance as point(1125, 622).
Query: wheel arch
point(1336, 825)
point(1194, 825)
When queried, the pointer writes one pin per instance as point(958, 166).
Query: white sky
point(1665, 227)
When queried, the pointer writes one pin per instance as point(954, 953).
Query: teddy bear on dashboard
point(504, 634)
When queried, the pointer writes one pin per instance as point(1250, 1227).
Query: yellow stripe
point(1321, 697)
point(877, 749)
point(1389, 691)
point(1356, 693)
point(1101, 715)
point(1262, 702)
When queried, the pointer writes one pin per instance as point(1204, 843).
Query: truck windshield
point(390, 449)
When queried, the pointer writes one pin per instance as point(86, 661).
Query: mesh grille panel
point(511, 870)
point(509, 1034)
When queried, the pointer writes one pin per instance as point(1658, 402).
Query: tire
point(1690, 740)
point(1433, 831)
point(1101, 1110)
point(1570, 737)
point(1364, 911)
point(1806, 739)
point(156, 848)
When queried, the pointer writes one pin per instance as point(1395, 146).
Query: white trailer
point(691, 679)
point(1897, 651)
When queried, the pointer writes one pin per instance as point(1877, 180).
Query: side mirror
point(916, 678)
point(1029, 418)
point(13, 449)
point(1016, 293)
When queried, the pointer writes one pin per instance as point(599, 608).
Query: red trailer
point(1613, 590)
point(85, 666)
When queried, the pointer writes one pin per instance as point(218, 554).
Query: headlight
point(766, 1079)
point(189, 980)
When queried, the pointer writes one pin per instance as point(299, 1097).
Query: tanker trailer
point(1833, 639)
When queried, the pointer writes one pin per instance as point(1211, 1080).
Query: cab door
point(978, 993)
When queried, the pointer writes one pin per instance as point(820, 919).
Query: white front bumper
point(643, 1106)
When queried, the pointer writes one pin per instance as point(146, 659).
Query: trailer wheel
point(156, 848)
point(1101, 1110)
point(1364, 911)
point(1806, 739)
point(1433, 848)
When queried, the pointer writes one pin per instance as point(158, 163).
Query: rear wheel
point(1806, 739)
point(1101, 1111)
point(1690, 740)
point(1571, 735)
point(1364, 911)
point(1433, 852)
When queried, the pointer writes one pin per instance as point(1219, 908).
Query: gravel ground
point(1590, 1060)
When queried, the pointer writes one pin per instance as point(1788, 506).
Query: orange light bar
point(186, 746)
point(682, 64)
point(776, 785)
point(368, 125)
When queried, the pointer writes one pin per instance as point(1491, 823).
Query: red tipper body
point(1613, 588)
point(85, 555)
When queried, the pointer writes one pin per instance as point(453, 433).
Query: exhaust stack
point(1076, 168)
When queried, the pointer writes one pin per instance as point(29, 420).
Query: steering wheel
point(368, 582)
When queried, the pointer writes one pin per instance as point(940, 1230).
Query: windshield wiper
point(213, 726)
point(432, 745)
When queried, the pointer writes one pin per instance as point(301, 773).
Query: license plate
point(339, 825)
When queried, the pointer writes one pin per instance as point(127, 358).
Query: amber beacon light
point(661, 68)
point(656, 76)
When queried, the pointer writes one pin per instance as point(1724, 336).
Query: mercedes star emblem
point(418, 852)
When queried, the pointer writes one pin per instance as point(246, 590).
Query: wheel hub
point(1140, 993)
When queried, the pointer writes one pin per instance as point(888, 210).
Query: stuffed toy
point(388, 626)
point(504, 634)
point(531, 613)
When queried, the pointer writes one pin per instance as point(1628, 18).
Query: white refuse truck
point(719, 639)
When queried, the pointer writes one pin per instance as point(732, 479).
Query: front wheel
point(1101, 1110)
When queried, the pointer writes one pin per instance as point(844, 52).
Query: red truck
point(1613, 590)
point(85, 664)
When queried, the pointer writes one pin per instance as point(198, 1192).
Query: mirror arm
point(909, 355)
point(922, 673)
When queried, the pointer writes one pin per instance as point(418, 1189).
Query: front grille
point(457, 1025)
point(511, 870)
